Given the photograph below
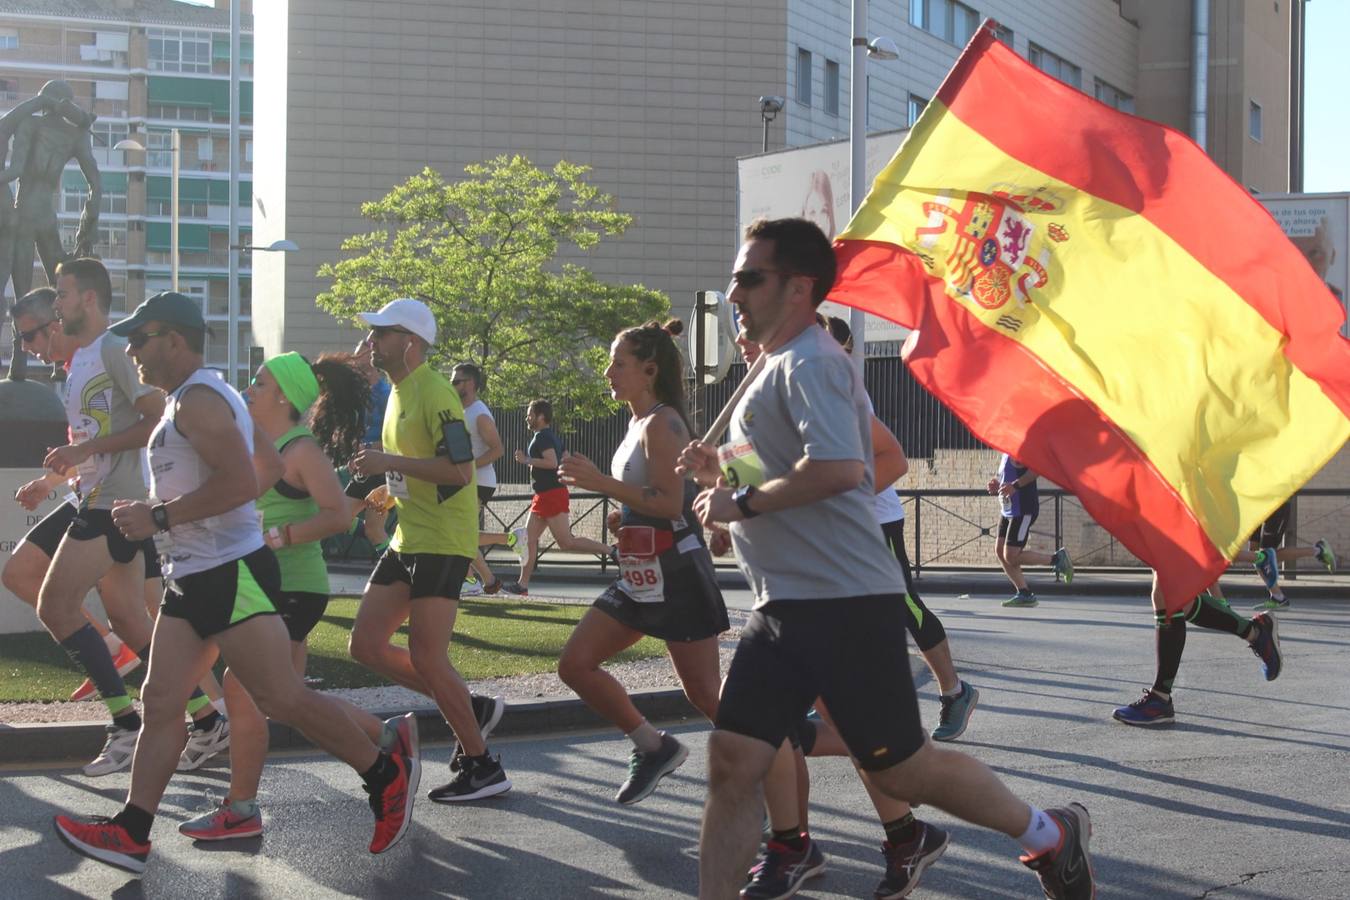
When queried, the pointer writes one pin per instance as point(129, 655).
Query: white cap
point(406, 313)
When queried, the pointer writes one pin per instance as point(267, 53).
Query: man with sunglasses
point(207, 467)
point(427, 462)
point(795, 485)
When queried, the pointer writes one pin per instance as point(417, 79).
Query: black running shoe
point(905, 864)
point(1066, 871)
point(645, 770)
point(488, 712)
point(473, 779)
point(1267, 645)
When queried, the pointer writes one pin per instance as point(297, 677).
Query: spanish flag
point(1091, 294)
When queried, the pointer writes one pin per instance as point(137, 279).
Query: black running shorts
point(301, 611)
point(92, 524)
point(427, 574)
point(1016, 531)
point(46, 535)
point(214, 600)
point(1274, 528)
point(850, 652)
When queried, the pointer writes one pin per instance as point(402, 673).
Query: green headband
point(295, 378)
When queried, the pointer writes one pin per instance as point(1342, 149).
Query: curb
point(58, 742)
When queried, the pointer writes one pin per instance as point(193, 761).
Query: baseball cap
point(406, 313)
point(169, 307)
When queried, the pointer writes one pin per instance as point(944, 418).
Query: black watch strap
point(742, 498)
point(159, 514)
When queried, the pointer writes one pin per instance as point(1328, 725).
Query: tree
point(482, 254)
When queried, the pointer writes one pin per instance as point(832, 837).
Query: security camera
point(770, 106)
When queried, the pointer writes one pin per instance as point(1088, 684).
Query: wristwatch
point(159, 514)
point(742, 498)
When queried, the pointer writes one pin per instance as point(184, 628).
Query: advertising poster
point(1319, 225)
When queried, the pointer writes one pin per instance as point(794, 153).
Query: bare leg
point(534, 527)
point(561, 528)
point(696, 665)
point(939, 660)
point(957, 784)
point(731, 817)
point(430, 627)
point(596, 638)
point(383, 609)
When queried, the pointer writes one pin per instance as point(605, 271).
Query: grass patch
point(492, 638)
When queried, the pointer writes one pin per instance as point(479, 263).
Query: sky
point(1327, 135)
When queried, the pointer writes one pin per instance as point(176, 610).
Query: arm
point(31, 495)
point(663, 497)
point(808, 481)
point(487, 430)
point(151, 407)
point(548, 461)
point(88, 230)
point(889, 464)
point(310, 468)
point(1021, 481)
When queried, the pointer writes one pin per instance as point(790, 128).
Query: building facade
point(145, 68)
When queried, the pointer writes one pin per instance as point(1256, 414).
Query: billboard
point(812, 182)
point(1319, 225)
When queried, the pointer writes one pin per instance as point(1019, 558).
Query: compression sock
point(136, 821)
point(1171, 638)
point(792, 838)
point(902, 830)
point(1214, 612)
point(86, 648)
point(1042, 834)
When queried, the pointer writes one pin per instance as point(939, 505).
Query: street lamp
point(175, 148)
point(879, 48)
point(281, 246)
point(769, 108)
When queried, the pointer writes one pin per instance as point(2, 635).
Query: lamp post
point(880, 48)
point(769, 108)
point(175, 151)
point(232, 343)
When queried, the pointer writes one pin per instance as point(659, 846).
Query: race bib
point(740, 463)
point(397, 484)
point(92, 470)
point(639, 565)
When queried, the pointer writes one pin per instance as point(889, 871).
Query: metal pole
point(232, 343)
point(765, 148)
point(1199, 69)
point(175, 151)
point(857, 145)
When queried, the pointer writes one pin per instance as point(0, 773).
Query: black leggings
point(923, 624)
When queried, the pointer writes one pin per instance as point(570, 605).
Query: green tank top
point(302, 565)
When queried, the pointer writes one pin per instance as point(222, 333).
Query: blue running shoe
point(1025, 599)
point(1149, 709)
point(955, 714)
point(1268, 567)
point(1325, 555)
point(1063, 565)
point(1267, 644)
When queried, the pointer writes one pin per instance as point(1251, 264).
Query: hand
point(612, 521)
point(992, 486)
point(521, 458)
point(699, 461)
point(133, 519)
point(62, 459)
point(719, 541)
point(374, 525)
point(275, 538)
point(1007, 490)
point(31, 495)
point(716, 505)
point(369, 462)
point(578, 471)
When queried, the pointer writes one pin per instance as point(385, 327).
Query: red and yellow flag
point(1094, 296)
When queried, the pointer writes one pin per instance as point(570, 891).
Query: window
point(1005, 34)
point(9, 39)
point(1254, 121)
point(831, 87)
point(205, 149)
point(950, 20)
point(179, 50)
point(916, 107)
point(1054, 65)
point(159, 145)
point(109, 243)
point(804, 76)
point(173, 112)
point(1113, 97)
point(114, 201)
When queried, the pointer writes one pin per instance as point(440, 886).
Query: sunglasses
point(750, 278)
point(28, 336)
point(381, 330)
point(138, 339)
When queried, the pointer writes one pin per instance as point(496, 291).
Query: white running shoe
point(471, 589)
point(519, 541)
point(202, 745)
point(116, 753)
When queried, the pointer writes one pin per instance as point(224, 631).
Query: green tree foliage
point(482, 253)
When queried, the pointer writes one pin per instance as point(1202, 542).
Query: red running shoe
point(393, 805)
point(126, 661)
point(101, 839)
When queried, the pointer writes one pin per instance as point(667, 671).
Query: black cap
point(169, 307)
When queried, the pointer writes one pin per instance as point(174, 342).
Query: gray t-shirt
point(808, 402)
point(101, 390)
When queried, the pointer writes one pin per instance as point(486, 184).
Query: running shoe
point(955, 715)
point(473, 779)
point(515, 587)
point(400, 736)
point(116, 753)
point(125, 660)
point(645, 770)
point(102, 839)
point(202, 744)
point(1267, 566)
point(488, 711)
point(393, 804)
point(906, 863)
point(1063, 565)
point(1149, 709)
point(471, 588)
point(494, 587)
point(783, 870)
point(1273, 603)
point(1022, 599)
point(1267, 644)
point(518, 541)
point(1325, 555)
point(227, 822)
point(1066, 871)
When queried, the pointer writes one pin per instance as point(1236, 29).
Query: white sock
point(1041, 835)
point(113, 643)
point(219, 705)
point(954, 692)
point(645, 738)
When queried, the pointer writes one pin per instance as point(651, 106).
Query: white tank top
point(176, 469)
point(487, 475)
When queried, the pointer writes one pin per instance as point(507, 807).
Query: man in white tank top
point(467, 380)
point(207, 467)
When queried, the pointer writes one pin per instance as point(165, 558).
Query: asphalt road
point(1246, 796)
